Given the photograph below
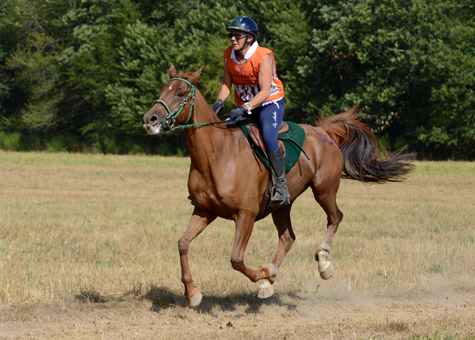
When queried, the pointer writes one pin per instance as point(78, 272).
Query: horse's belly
point(227, 203)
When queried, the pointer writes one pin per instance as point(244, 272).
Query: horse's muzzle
point(153, 129)
point(152, 124)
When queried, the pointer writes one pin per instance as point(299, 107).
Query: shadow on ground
point(162, 298)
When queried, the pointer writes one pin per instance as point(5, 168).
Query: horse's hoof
point(322, 258)
point(266, 289)
point(325, 267)
point(327, 272)
point(273, 271)
point(195, 300)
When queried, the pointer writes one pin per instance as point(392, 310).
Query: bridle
point(169, 120)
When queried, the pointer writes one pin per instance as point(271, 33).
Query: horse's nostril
point(153, 119)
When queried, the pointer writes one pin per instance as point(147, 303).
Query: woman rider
point(258, 93)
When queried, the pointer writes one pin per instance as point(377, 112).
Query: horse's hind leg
point(198, 222)
point(282, 222)
point(325, 194)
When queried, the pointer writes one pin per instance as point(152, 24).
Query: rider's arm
point(225, 89)
point(265, 79)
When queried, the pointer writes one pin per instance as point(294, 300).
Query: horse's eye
point(180, 94)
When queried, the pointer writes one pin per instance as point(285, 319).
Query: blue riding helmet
point(245, 24)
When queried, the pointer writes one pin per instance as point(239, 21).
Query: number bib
point(246, 92)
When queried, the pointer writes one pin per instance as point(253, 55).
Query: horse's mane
point(187, 75)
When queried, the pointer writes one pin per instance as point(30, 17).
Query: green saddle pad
point(295, 135)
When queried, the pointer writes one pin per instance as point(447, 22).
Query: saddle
point(256, 137)
point(290, 139)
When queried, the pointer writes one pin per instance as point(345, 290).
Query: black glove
point(236, 112)
point(218, 104)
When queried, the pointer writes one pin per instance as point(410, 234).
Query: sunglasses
point(237, 35)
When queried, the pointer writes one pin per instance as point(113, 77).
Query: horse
point(226, 179)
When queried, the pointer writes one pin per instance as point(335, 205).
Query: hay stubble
point(88, 246)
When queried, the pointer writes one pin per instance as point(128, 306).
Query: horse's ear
point(196, 75)
point(171, 71)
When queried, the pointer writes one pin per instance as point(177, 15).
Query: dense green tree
point(410, 65)
point(79, 75)
point(35, 33)
point(90, 64)
point(4, 78)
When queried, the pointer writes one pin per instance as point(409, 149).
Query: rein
point(169, 121)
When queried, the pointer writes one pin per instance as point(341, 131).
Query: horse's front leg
point(198, 222)
point(244, 225)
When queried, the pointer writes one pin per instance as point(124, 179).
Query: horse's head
point(175, 102)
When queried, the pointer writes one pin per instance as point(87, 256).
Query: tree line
point(78, 75)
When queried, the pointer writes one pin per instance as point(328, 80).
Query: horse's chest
point(203, 191)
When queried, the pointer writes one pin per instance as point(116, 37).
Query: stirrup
point(278, 198)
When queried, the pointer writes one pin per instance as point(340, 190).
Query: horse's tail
point(358, 146)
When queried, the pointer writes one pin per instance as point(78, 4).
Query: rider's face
point(238, 39)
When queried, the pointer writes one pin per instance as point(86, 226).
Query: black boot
point(280, 192)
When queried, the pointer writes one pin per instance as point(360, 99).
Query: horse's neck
point(205, 143)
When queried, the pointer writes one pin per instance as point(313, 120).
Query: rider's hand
point(218, 105)
point(236, 112)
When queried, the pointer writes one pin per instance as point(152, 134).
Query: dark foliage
point(78, 75)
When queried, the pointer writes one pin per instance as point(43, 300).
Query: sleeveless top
point(245, 76)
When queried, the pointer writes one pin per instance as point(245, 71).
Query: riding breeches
point(269, 118)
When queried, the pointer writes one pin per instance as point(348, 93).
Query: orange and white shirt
point(245, 75)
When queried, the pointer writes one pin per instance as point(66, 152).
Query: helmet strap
point(247, 42)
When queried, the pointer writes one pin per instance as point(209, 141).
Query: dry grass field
point(88, 250)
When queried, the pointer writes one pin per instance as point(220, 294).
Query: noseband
point(170, 118)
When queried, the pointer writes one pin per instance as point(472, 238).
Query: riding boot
point(280, 192)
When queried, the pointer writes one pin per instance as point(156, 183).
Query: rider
point(258, 93)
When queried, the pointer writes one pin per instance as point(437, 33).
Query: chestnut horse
point(227, 180)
